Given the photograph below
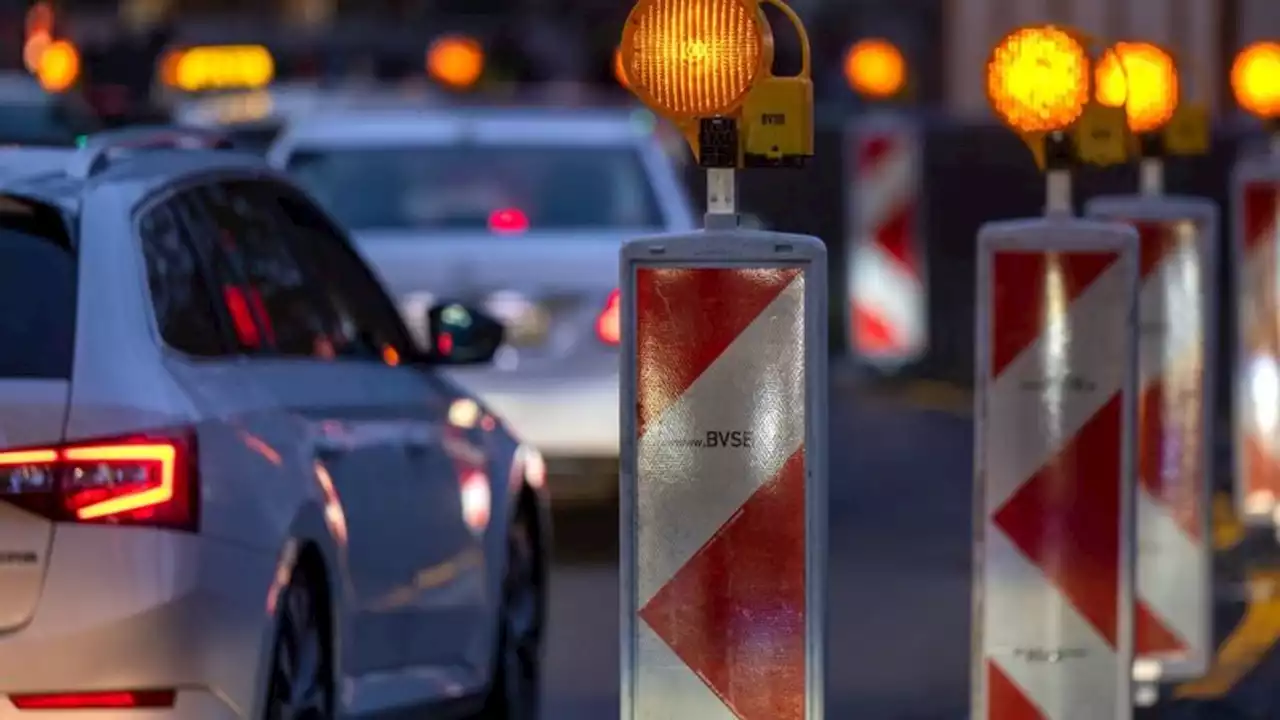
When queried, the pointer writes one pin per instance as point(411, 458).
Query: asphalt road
point(898, 577)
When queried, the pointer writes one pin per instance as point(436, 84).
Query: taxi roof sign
point(691, 59)
point(218, 67)
point(1038, 79)
point(1255, 80)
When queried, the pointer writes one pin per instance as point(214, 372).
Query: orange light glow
point(1144, 79)
point(59, 66)
point(695, 59)
point(1038, 79)
point(1255, 79)
point(620, 68)
point(875, 68)
point(390, 355)
point(456, 61)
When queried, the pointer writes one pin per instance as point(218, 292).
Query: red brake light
point(609, 324)
point(508, 221)
point(133, 481)
point(96, 700)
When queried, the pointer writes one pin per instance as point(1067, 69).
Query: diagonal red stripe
point(686, 318)
point(1020, 294)
point(735, 613)
point(1261, 206)
point(872, 334)
point(1157, 241)
point(871, 151)
point(1066, 519)
point(1170, 456)
point(1005, 700)
point(894, 235)
point(1151, 636)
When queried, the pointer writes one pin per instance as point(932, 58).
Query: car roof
point(22, 88)
point(43, 174)
point(446, 125)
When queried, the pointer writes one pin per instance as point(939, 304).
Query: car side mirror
point(461, 335)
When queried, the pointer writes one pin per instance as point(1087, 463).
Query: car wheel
point(301, 685)
point(516, 693)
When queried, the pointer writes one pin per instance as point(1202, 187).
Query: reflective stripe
point(1054, 602)
point(720, 506)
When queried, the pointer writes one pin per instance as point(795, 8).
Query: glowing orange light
point(875, 68)
point(59, 66)
point(1144, 79)
point(1038, 79)
point(456, 61)
point(1255, 79)
point(620, 68)
point(695, 59)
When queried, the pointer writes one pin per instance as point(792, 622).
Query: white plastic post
point(1055, 406)
point(1178, 312)
point(723, 484)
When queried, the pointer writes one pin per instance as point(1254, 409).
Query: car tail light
point(508, 221)
point(609, 324)
point(119, 699)
point(128, 481)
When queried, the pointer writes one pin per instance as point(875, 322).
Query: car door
point(446, 491)
point(320, 383)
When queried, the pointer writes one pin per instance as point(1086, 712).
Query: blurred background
point(905, 121)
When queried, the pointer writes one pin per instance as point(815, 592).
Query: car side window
point(341, 271)
point(184, 304)
point(296, 317)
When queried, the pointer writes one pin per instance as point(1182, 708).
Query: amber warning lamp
point(1039, 85)
point(706, 66)
point(1255, 81)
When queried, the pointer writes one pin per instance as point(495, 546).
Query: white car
point(519, 211)
point(230, 485)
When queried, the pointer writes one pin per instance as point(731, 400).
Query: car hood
point(465, 264)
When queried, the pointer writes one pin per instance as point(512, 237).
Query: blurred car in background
point(253, 119)
point(239, 481)
point(518, 211)
point(29, 115)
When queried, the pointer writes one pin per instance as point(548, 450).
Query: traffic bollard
point(885, 263)
point(723, 517)
point(1178, 311)
point(1255, 195)
point(1056, 365)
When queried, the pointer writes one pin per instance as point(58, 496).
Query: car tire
point(301, 684)
point(516, 689)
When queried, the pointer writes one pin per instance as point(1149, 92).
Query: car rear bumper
point(571, 420)
point(139, 609)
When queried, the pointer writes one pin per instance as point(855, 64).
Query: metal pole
point(1057, 192)
point(722, 191)
point(1151, 176)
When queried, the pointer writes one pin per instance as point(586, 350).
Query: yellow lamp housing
point(1038, 79)
point(777, 116)
point(1255, 80)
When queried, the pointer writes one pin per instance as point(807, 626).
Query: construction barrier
point(1178, 256)
point(1056, 351)
point(723, 541)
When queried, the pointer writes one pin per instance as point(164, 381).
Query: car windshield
point(49, 123)
point(481, 187)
